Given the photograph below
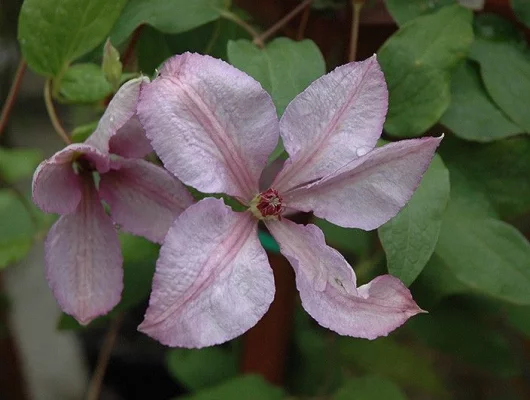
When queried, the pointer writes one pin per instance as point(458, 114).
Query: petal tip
point(144, 78)
point(84, 321)
point(146, 328)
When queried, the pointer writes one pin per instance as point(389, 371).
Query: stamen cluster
point(267, 205)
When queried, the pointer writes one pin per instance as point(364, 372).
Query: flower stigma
point(267, 205)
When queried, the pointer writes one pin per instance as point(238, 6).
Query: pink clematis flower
point(83, 258)
point(213, 126)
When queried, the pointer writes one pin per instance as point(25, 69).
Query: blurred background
point(461, 245)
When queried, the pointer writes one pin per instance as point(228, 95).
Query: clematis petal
point(212, 282)
point(212, 125)
point(337, 119)
point(326, 284)
point(370, 190)
point(120, 110)
point(83, 260)
point(56, 187)
point(130, 140)
point(144, 199)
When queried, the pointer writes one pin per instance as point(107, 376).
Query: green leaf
point(312, 368)
point(409, 239)
point(387, 358)
point(440, 40)
point(517, 318)
point(417, 61)
point(472, 115)
point(168, 16)
point(18, 163)
point(487, 255)
point(436, 282)
point(404, 11)
point(369, 387)
point(154, 47)
point(68, 323)
point(467, 197)
point(494, 172)
point(139, 259)
point(505, 70)
point(466, 340)
point(521, 9)
point(493, 27)
point(418, 102)
point(309, 372)
point(14, 250)
point(349, 241)
point(52, 33)
point(209, 39)
point(81, 133)
point(84, 83)
point(16, 229)
point(248, 387)
point(152, 50)
point(284, 67)
point(202, 368)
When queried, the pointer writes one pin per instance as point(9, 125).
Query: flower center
point(81, 165)
point(267, 205)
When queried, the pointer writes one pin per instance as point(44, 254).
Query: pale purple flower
point(82, 251)
point(213, 126)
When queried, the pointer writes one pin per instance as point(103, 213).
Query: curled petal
point(56, 187)
point(144, 199)
point(338, 118)
point(212, 125)
point(370, 190)
point(120, 110)
point(212, 282)
point(83, 260)
point(327, 286)
point(130, 140)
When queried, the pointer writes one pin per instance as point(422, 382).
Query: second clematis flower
point(82, 252)
point(214, 127)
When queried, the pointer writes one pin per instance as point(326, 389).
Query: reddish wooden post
point(266, 345)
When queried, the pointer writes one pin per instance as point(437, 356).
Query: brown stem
point(96, 382)
point(303, 23)
point(243, 24)
point(52, 114)
point(129, 51)
point(12, 95)
point(282, 22)
point(354, 38)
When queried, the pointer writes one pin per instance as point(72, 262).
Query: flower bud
point(111, 65)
